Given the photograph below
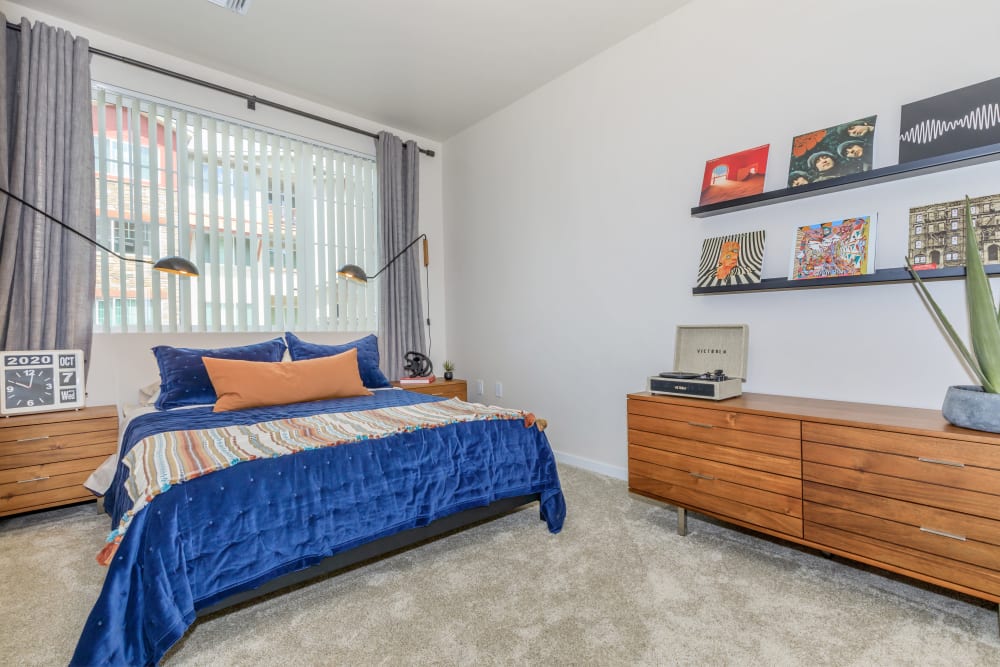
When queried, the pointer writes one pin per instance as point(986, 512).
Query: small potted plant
point(449, 367)
point(971, 406)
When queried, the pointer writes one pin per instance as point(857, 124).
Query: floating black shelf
point(880, 277)
point(881, 175)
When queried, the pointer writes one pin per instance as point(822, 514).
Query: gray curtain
point(47, 274)
point(401, 313)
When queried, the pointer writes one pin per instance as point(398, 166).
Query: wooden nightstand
point(45, 458)
point(440, 387)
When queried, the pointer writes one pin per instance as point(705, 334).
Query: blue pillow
point(184, 379)
point(367, 347)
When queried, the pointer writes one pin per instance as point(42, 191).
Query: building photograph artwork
point(954, 121)
point(731, 260)
point(832, 152)
point(937, 232)
point(734, 176)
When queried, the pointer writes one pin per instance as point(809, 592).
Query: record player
point(710, 362)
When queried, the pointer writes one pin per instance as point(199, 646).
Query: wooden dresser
point(440, 387)
point(898, 488)
point(45, 458)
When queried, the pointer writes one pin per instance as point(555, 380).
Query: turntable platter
point(678, 375)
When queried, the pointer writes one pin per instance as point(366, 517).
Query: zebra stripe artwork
point(731, 260)
point(954, 121)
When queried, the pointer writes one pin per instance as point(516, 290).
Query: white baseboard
point(591, 465)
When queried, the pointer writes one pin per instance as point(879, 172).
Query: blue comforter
point(234, 529)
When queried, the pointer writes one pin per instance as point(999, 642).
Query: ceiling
point(428, 67)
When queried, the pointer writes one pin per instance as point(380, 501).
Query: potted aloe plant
point(449, 367)
point(970, 406)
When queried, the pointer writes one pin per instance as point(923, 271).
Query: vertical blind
point(267, 218)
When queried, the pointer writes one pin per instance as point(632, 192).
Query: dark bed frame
point(375, 549)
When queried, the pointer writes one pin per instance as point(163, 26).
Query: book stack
point(426, 379)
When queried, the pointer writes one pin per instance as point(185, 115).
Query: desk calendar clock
point(41, 381)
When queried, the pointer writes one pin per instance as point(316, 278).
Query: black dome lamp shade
point(355, 273)
point(175, 265)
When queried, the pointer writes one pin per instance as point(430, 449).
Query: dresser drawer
point(56, 491)
point(704, 432)
point(944, 450)
point(709, 417)
point(789, 486)
point(699, 494)
point(37, 450)
point(968, 563)
point(973, 539)
point(779, 465)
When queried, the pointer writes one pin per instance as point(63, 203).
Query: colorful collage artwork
point(833, 152)
point(833, 249)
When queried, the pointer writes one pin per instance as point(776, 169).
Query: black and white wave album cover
point(955, 121)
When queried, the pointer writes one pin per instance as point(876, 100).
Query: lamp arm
point(78, 233)
point(399, 254)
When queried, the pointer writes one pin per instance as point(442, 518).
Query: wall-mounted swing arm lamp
point(177, 265)
point(358, 275)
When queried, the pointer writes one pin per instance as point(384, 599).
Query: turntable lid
point(703, 348)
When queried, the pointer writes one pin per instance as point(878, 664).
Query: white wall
point(567, 215)
point(120, 363)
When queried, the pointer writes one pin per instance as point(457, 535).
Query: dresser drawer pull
point(943, 534)
point(700, 425)
point(941, 462)
point(41, 437)
point(33, 479)
point(700, 476)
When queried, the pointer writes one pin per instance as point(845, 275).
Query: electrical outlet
point(480, 388)
point(498, 389)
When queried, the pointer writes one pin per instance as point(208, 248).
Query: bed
point(255, 525)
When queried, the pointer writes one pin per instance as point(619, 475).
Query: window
point(919, 229)
point(267, 218)
point(954, 225)
point(954, 240)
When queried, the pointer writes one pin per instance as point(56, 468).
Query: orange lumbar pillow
point(253, 384)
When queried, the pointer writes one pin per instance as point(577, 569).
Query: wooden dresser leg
point(682, 522)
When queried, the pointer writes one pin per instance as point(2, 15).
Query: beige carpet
point(617, 587)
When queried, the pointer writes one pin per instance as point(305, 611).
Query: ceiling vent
point(238, 6)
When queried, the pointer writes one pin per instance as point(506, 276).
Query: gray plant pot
point(969, 406)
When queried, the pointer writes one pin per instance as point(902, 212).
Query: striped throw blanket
point(160, 461)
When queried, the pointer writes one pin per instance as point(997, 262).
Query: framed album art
point(832, 152)
point(937, 232)
point(734, 176)
point(954, 121)
point(833, 249)
point(731, 260)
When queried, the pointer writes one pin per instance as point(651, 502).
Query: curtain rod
point(251, 100)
